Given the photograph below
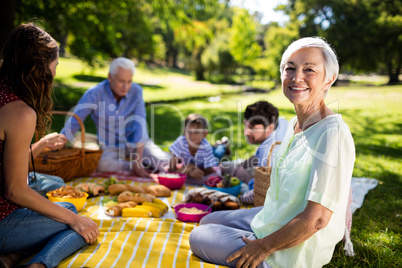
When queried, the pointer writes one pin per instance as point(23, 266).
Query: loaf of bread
point(155, 190)
point(205, 196)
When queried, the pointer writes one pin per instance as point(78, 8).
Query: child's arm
point(173, 164)
point(209, 170)
point(196, 173)
point(192, 171)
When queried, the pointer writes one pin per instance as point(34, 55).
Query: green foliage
point(243, 45)
point(276, 40)
point(217, 58)
point(366, 34)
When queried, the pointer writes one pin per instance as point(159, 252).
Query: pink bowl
point(190, 217)
point(172, 183)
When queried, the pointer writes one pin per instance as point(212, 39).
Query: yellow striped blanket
point(136, 242)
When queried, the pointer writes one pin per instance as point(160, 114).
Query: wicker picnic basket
point(67, 162)
point(262, 179)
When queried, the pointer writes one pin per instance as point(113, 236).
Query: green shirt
point(314, 165)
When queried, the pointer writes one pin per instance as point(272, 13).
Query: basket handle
point(81, 126)
point(270, 152)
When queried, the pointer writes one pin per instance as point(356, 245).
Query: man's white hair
point(123, 63)
point(331, 65)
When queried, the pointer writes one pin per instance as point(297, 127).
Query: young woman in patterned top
point(29, 223)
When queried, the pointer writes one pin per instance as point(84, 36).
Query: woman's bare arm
point(17, 122)
point(52, 141)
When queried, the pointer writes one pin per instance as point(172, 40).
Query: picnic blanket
point(153, 242)
point(360, 187)
point(136, 242)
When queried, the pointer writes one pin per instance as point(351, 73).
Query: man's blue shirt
point(118, 124)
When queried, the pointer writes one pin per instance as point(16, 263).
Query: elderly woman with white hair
point(303, 217)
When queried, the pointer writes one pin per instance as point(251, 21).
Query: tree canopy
point(212, 37)
point(367, 34)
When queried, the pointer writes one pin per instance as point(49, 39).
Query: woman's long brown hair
point(26, 57)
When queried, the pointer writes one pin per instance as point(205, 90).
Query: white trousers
point(118, 159)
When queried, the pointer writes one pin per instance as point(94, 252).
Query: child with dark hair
point(262, 125)
point(192, 151)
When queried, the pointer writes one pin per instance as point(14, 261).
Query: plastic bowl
point(235, 190)
point(77, 202)
point(172, 183)
point(181, 216)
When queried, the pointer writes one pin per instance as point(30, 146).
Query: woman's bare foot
point(10, 260)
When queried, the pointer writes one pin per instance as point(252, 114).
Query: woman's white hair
point(331, 65)
point(123, 63)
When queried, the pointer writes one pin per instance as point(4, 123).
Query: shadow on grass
point(157, 69)
point(152, 87)
point(89, 78)
point(66, 97)
point(98, 79)
point(371, 132)
point(375, 150)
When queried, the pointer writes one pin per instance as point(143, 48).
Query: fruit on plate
point(234, 181)
point(226, 181)
point(213, 181)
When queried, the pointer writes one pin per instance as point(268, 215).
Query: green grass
point(159, 84)
point(372, 113)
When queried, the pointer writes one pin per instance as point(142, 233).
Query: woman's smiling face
point(303, 77)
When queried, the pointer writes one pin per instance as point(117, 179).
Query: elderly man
point(117, 107)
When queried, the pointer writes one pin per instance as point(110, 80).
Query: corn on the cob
point(164, 209)
point(156, 212)
point(160, 202)
point(136, 212)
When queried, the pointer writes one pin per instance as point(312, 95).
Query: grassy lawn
point(373, 114)
point(159, 84)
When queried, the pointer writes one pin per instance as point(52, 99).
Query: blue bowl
point(235, 190)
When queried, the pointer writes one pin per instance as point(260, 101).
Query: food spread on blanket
point(96, 188)
point(136, 200)
point(92, 188)
point(170, 175)
point(130, 200)
point(67, 192)
point(223, 201)
point(225, 181)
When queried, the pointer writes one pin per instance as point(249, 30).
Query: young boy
point(193, 151)
point(263, 127)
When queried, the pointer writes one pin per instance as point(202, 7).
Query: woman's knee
point(215, 217)
point(197, 236)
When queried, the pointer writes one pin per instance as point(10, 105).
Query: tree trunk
point(7, 15)
point(393, 73)
point(198, 68)
point(175, 53)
